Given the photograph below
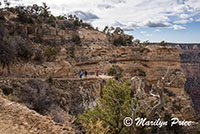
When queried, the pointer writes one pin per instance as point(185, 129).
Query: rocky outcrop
point(51, 85)
point(190, 63)
point(16, 118)
point(58, 98)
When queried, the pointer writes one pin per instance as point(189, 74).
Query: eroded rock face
point(58, 99)
point(190, 63)
point(69, 94)
point(16, 118)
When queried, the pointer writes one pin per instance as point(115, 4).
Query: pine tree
point(115, 105)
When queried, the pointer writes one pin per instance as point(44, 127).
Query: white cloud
point(157, 30)
point(181, 21)
point(148, 35)
point(191, 19)
point(183, 16)
point(132, 14)
point(143, 32)
point(177, 27)
point(198, 20)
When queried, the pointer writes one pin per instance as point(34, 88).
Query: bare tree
point(140, 93)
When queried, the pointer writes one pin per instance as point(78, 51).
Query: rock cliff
point(46, 79)
point(190, 63)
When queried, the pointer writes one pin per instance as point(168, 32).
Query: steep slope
point(190, 62)
point(18, 119)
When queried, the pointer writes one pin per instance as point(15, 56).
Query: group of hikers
point(81, 73)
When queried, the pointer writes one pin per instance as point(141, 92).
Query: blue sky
point(191, 34)
point(153, 20)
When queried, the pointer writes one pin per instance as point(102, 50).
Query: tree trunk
point(8, 69)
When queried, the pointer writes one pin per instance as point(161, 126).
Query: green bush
point(61, 27)
point(38, 20)
point(72, 54)
point(38, 55)
point(38, 39)
point(51, 20)
point(114, 70)
point(8, 53)
point(25, 51)
point(119, 41)
point(76, 22)
point(50, 53)
point(116, 103)
point(50, 79)
point(76, 39)
point(163, 43)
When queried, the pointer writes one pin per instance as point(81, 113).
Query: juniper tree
point(7, 55)
point(126, 100)
point(115, 104)
point(7, 49)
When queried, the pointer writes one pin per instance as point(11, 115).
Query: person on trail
point(80, 74)
point(97, 72)
point(86, 73)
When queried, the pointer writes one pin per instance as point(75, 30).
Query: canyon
point(45, 75)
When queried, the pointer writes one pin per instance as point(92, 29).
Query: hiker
point(80, 74)
point(97, 72)
point(86, 73)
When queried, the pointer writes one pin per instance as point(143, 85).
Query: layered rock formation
point(53, 85)
point(190, 63)
point(72, 95)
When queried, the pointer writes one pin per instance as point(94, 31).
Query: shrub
point(38, 20)
point(50, 53)
point(50, 80)
point(8, 52)
point(23, 15)
point(137, 41)
point(95, 128)
point(72, 54)
point(119, 41)
point(116, 103)
point(163, 43)
point(115, 71)
point(38, 55)
point(76, 22)
point(112, 71)
point(51, 20)
point(76, 39)
point(37, 39)
point(145, 43)
point(25, 51)
point(37, 95)
point(61, 27)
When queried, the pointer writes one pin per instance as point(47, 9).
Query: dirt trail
point(89, 77)
point(18, 119)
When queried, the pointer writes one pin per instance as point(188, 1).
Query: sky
point(176, 21)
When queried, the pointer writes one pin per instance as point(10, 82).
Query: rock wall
point(190, 63)
point(93, 52)
point(150, 63)
point(63, 99)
